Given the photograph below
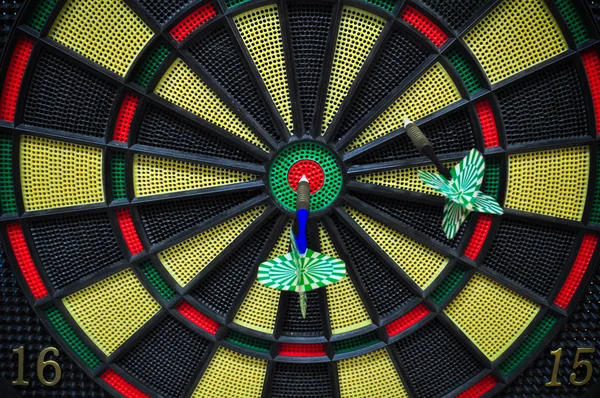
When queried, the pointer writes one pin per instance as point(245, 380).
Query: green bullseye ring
point(278, 175)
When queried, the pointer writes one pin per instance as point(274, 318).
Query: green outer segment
point(465, 71)
point(157, 281)
point(278, 175)
point(388, 5)
point(248, 342)
point(528, 345)
point(151, 65)
point(448, 285)
point(573, 20)
point(7, 190)
point(68, 334)
point(355, 343)
point(233, 3)
point(117, 173)
point(595, 213)
point(40, 14)
point(491, 181)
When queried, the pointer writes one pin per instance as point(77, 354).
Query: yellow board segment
point(231, 374)
point(357, 35)
point(433, 91)
point(405, 179)
point(59, 174)
point(261, 32)
point(419, 262)
point(554, 183)
point(112, 310)
point(515, 36)
point(154, 176)
point(283, 243)
point(107, 32)
point(187, 259)
point(346, 309)
point(491, 315)
point(181, 86)
point(259, 309)
point(372, 375)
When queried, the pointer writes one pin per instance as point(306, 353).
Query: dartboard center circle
point(313, 160)
point(309, 169)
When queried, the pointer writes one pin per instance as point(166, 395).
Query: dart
point(301, 270)
point(460, 186)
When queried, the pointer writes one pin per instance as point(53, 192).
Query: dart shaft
point(423, 145)
point(302, 213)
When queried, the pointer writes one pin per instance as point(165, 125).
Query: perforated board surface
point(147, 157)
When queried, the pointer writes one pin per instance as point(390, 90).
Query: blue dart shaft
point(302, 213)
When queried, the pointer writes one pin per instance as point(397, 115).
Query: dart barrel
point(303, 199)
point(417, 136)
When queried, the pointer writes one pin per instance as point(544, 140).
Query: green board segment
point(465, 71)
point(38, 18)
point(117, 172)
point(388, 5)
point(68, 334)
point(7, 190)
point(249, 342)
point(528, 345)
point(491, 182)
point(151, 65)
point(356, 343)
point(573, 19)
point(156, 280)
point(234, 3)
point(448, 285)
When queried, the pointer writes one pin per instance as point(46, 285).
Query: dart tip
point(303, 179)
point(407, 121)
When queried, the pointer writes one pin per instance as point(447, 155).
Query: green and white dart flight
point(462, 192)
point(461, 185)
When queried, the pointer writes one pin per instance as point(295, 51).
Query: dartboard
point(150, 153)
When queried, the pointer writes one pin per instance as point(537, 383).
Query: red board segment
point(302, 350)
point(25, 262)
point(425, 26)
point(193, 22)
point(580, 266)
point(14, 76)
point(121, 385)
point(126, 112)
point(482, 228)
point(198, 318)
point(409, 319)
point(483, 386)
point(128, 230)
point(591, 61)
point(488, 123)
point(313, 172)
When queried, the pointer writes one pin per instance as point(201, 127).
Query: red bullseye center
point(309, 168)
